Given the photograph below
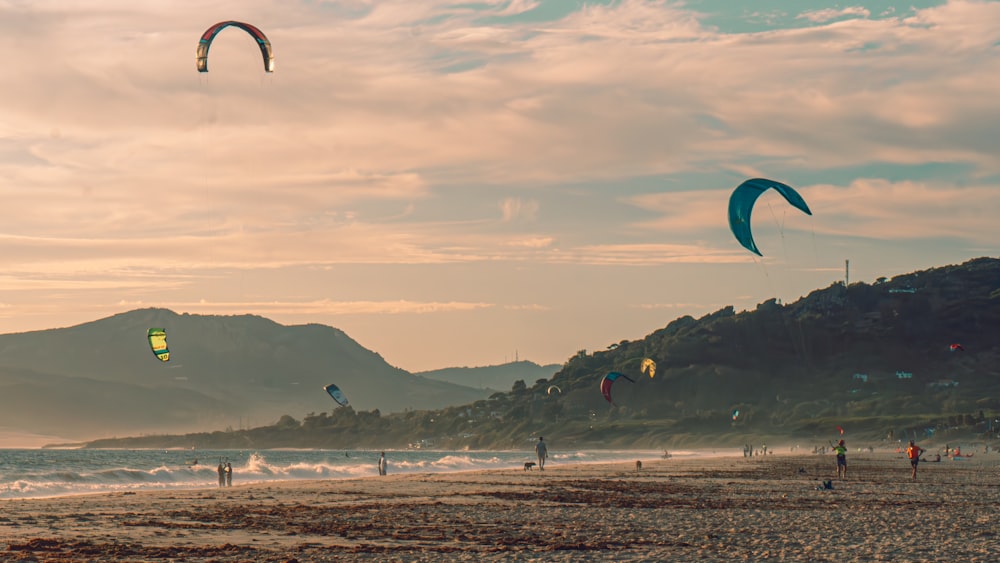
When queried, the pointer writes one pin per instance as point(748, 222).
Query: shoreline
point(673, 509)
point(47, 474)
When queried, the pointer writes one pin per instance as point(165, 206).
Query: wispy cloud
point(513, 7)
point(656, 306)
point(513, 209)
point(820, 16)
point(399, 307)
point(883, 210)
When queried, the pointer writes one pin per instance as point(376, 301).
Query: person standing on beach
point(841, 452)
point(913, 452)
point(222, 474)
point(229, 474)
point(543, 452)
point(381, 464)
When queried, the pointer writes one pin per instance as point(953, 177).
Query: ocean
point(36, 473)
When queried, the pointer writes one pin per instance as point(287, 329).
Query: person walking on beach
point(222, 474)
point(841, 452)
point(543, 452)
point(229, 474)
point(913, 452)
point(381, 464)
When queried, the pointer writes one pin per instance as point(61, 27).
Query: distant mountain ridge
point(875, 360)
point(496, 377)
point(101, 378)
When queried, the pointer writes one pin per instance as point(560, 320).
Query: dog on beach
point(638, 465)
point(528, 465)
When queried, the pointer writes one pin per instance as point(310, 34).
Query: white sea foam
point(27, 473)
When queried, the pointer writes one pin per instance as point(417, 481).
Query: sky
point(466, 183)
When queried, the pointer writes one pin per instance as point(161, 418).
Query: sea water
point(34, 473)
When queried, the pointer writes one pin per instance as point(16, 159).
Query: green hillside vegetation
point(874, 359)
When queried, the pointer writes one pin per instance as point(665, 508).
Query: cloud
point(648, 254)
point(325, 307)
point(310, 309)
point(528, 307)
point(531, 242)
point(514, 7)
point(822, 16)
point(607, 91)
point(884, 210)
point(393, 131)
point(513, 209)
point(657, 306)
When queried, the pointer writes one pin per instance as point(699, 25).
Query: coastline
point(714, 508)
point(33, 473)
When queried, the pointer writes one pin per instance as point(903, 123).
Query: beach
point(770, 508)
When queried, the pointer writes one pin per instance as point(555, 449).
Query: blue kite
point(336, 394)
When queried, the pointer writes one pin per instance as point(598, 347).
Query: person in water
point(841, 452)
point(913, 451)
point(543, 453)
point(229, 474)
point(381, 464)
point(222, 474)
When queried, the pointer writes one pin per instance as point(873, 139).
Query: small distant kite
point(554, 388)
point(158, 343)
point(648, 366)
point(337, 395)
point(608, 381)
point(262, 42)
point(840, 429)
point(957, 348)
point(736, 414)
point(741, 204)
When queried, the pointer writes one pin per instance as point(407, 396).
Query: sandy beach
point(758, 509)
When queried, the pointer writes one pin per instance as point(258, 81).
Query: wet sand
point(721, 509)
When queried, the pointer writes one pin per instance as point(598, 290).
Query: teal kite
point(741, 205)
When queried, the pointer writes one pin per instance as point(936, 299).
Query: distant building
point(863, 377)
point(904, 375)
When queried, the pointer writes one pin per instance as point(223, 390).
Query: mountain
point(101, 377)
point(915, 356)
point(875, 356)
point(497, 378)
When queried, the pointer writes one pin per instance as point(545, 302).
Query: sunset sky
point(453, 183)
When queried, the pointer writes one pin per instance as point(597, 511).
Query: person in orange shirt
point(913, 452)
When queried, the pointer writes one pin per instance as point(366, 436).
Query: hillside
point(874, 359)
point(100, 378)
point(496, 378)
